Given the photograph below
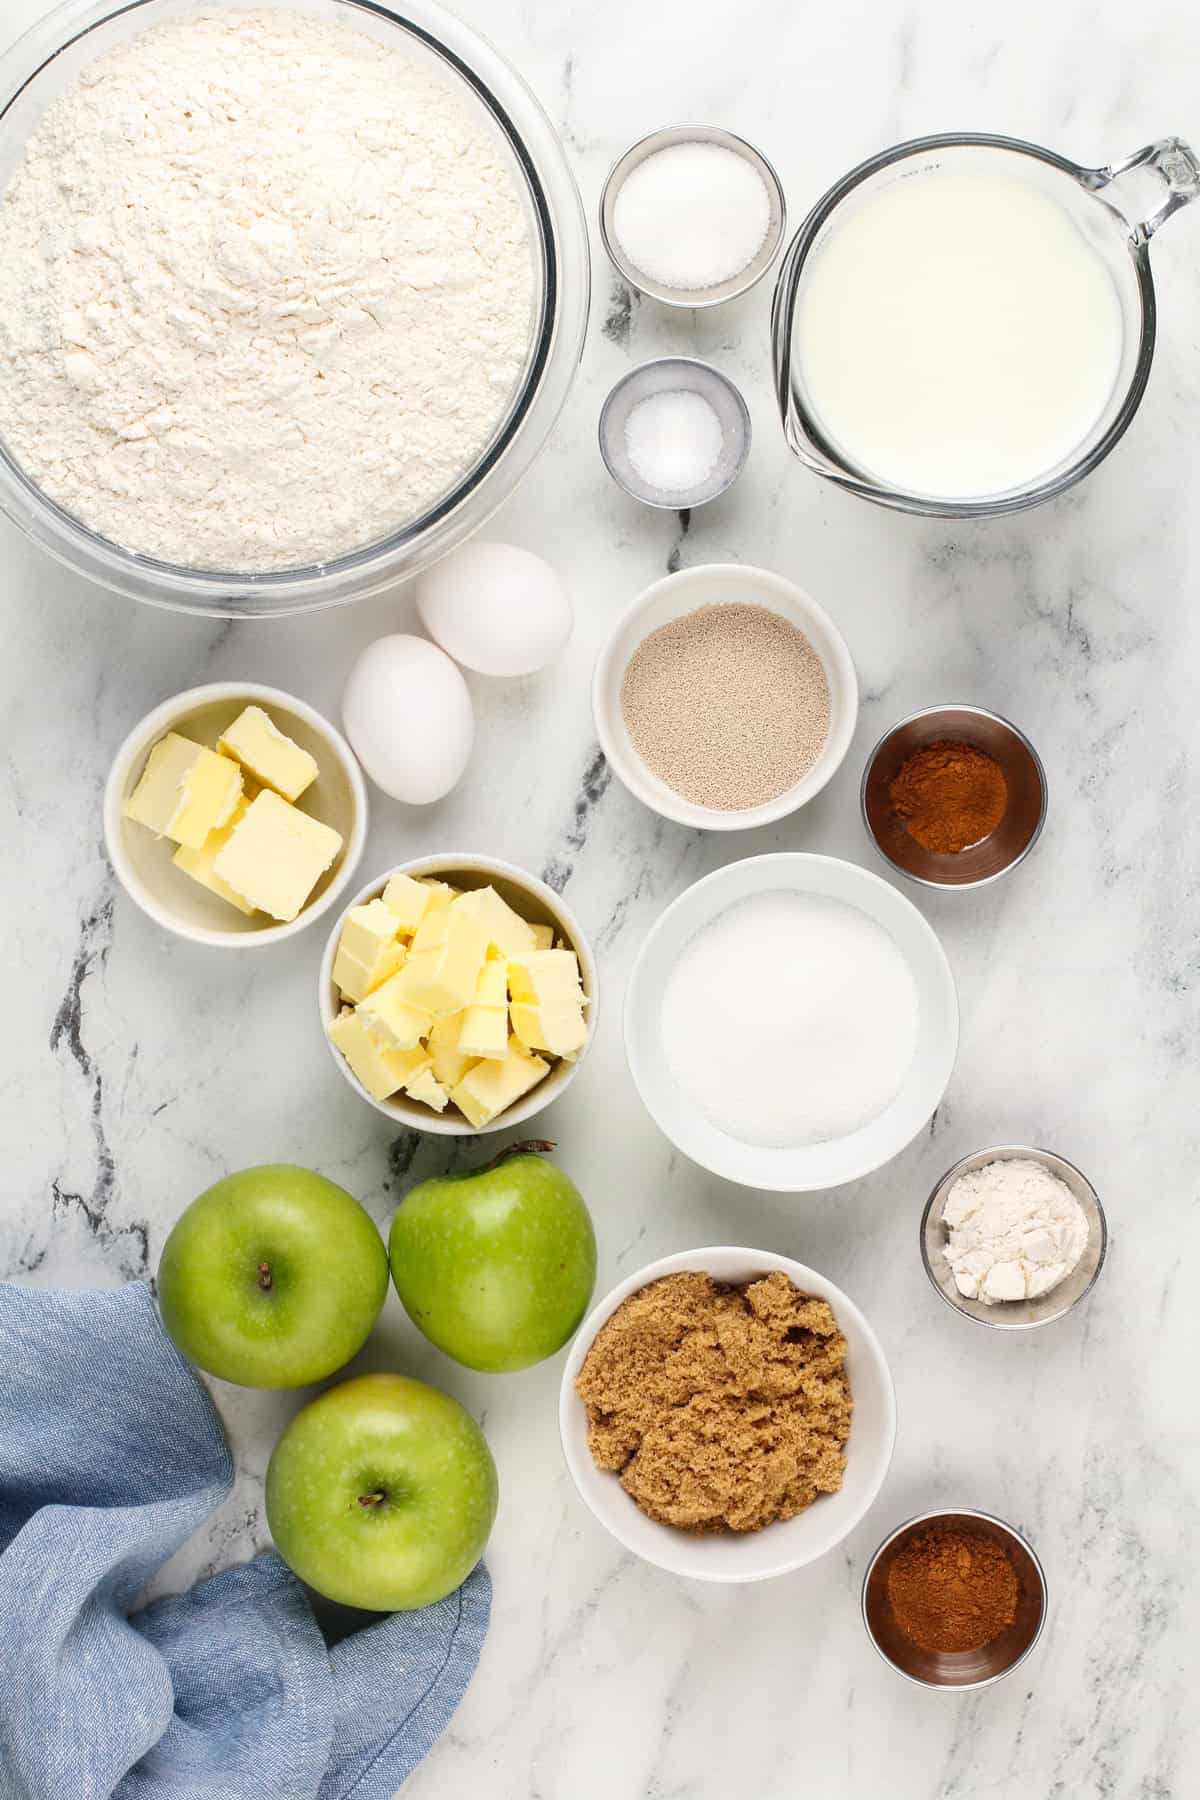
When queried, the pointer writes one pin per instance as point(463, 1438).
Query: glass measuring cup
point(1104, 204)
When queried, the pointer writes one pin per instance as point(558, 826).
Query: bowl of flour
point(290, 295)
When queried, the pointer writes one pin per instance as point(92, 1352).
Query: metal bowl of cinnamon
point(954, 1600)
point(954, 796)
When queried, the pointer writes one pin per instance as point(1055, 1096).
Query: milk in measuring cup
point(956, 335)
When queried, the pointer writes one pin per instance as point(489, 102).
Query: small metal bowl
point(999, 852)
point(962, 1668)
point(737, 284)
point(1015, 1315)
point(675, 374)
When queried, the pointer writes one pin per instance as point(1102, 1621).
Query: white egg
point(495, 608)
point(408, 714)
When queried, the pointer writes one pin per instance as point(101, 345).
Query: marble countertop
point(136, 1069)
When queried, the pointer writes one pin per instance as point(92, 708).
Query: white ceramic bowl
point(143, 862)
point(535, 902)
point(798, 1169)
point(721, 584)
point(778, 1548)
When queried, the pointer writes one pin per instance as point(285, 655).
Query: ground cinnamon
point(950, 796)
point(953, 1590)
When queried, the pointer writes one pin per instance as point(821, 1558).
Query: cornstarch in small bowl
point(729, 705)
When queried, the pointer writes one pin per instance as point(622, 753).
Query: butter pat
point(425, 1086)
point(443, 965)
point(382, 1072)
point(199, 863)
point(276, 855)
point(256, 742)
point(506, 930)
point(548, 1002)
point(543, 937)
point(449, 1063)
point(185, 792)
point(484, 1030)
point(389, 1016)
point(408, 900)
point(368, 950)
point(491, 1086)
point(440, 892)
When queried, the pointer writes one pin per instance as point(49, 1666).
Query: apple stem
point(526, 1147)
point(264, 1277)
point(368, 1500)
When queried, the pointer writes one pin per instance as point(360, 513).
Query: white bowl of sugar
point(791, 1022)
point(725, 697)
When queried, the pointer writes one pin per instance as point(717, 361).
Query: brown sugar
point(721, 1409)
point(953, 1590)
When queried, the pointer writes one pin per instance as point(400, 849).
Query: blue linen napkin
point(111, 1455)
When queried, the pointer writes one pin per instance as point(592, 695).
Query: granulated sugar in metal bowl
point(728, 705)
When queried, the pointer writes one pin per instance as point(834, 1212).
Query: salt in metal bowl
point(1015, 1315)
point(675, 375)
point(721, 291)
point(1003, 848)
point(961, 1668)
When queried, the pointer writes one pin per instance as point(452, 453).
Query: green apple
point(381, 1494)
point(272, 1278)
point(496, 1267)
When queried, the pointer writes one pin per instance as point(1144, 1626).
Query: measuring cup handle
point(1179, 169)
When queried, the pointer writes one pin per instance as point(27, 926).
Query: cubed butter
point(543, 937)
point(274, 759)
point(199, 863)
point(368, 950)
point(449, 1064)
point(390, 1017)
point(185, 791)
point(426, 1087)
point(548, 1001)
point(507, 931)
point(440, 892)
point(443, 965)
point(276, 855)
point(409, 900)
point(484, 1029)
point(355, 980)
point(492, 1085)
point(561, 1033)
point(545, 976)
point(382, 1072)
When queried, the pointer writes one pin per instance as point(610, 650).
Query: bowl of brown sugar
point(954, 1599)
point(725, 697)
point(954, 796)
point(727, 1414)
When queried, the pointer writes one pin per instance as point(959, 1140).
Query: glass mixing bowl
point(54, 52)
point(1104, 204)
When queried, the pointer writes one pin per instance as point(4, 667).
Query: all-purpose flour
point(266, 288)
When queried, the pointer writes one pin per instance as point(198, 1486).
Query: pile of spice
point(1015, 1231)
point(721, 1409)
point(791, 1019)
point(950, 796)
point(728, 705)
point(953, 1590)
point(692, 216)
point(673, 440)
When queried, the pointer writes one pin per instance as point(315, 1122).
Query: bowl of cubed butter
point(235, 815)
point(457, 995)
